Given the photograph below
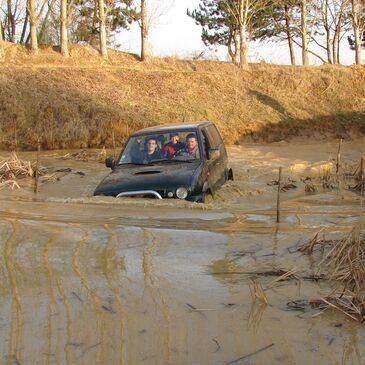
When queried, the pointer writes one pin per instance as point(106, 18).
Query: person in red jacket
point(174, 146)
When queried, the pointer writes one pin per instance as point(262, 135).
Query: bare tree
point(335, 23)
point(102, 24)
point(243, 12)
point(358, 23)
point(33, 20)
point(63, 29)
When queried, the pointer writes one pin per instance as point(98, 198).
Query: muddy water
point(87, 280)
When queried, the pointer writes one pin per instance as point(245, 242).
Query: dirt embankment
point(78, 102)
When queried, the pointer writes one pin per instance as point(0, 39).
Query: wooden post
point(338, 163)
point(362, 169)
point(113, 138)
point(278, 199)
point(362, 175)
point(37, 167)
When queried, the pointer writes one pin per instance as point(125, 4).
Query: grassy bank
point(80, 101)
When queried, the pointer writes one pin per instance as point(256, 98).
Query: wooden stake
point(113, 138)
point(362, 175)
point(37, 167)
point(338, 163)
point(278, 200)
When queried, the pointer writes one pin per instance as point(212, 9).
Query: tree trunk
point(329, 46)
point(2, 35)
point(336, 36)
point(145, 52)
point(2, 53)
point(358, 58)
point(33, 26)
point(327, 29)
point(11, 22)
point(63, 29)
point(335, 46)
point(338, 50)
point(102, 25)
point(233, 52)
point(305, 57)
point(243, 11)
point(24, 27)
point(289, 36)
point(357, 30)
point(45, 20)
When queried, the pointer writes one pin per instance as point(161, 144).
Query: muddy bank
point(79, 102)
point(94, 280)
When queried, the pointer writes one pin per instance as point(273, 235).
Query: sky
point(173, 33)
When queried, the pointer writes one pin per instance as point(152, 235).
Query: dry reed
point(13, 169)
point(86, 156)
point(344, 264)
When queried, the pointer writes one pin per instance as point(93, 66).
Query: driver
point(153, 152)
point(174, 146)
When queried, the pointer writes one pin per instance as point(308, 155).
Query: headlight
point(182, 193)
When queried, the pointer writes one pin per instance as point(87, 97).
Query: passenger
point(192, 147)
point(153, 152)
point(172, 147)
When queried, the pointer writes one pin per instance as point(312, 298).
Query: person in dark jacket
point(173, 147)
point(153, 152)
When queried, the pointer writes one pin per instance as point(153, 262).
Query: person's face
point(151, 146)
point(175, 139)
point(191, 143)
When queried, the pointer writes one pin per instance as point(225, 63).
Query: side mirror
point(213, 154)
point(110, 162)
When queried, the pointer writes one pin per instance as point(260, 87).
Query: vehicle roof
point(167, 127)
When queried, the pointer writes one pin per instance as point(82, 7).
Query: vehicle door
point(213, 156)
point(222, 163)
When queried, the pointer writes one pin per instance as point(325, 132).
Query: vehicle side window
point(206, 144)
point(214, 136)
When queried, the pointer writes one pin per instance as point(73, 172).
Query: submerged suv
point(184, 161)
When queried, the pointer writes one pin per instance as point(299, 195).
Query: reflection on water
point(100, 281)
point(111, 294)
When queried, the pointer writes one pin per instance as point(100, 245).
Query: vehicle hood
point(161, 176)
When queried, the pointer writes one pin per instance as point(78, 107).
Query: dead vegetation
point(343, 264)
point(86, 156)
point(13, 169)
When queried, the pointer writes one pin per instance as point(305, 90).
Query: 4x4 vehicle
point(184, 161)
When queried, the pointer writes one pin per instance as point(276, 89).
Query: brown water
point(93, 280)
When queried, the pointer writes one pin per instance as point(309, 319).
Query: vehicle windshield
point(161, 147)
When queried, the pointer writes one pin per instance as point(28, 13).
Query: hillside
point(78, 102)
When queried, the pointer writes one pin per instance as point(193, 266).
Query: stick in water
point(238, 361)
point(37, 167)
point(113, 137)
point(338, 163)
point(278, 200)
point(362, 175)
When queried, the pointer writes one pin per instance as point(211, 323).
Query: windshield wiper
point(136, 164)
point(158, 161)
